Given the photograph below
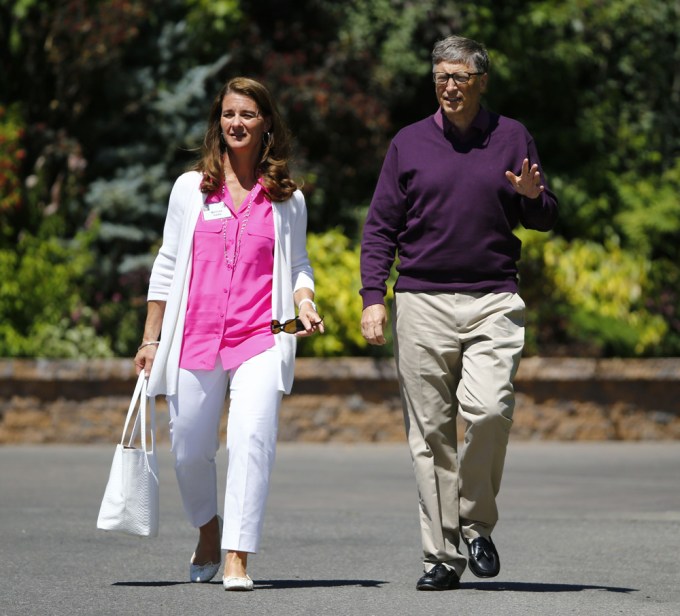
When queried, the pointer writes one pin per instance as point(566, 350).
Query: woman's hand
point(310, 319)
point(146, 352)
point(144, 359)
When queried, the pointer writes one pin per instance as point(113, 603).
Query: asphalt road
point(586, 528)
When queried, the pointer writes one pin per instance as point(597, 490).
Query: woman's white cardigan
point(171, 273)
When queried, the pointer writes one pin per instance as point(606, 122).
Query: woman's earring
point(267, 139)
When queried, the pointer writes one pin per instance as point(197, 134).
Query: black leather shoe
point(439, 577)
point(483, 561)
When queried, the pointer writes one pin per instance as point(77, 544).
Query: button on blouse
point(229, 306)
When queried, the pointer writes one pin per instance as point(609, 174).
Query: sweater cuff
point(371, 297)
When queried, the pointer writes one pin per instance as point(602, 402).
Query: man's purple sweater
point(447, 208)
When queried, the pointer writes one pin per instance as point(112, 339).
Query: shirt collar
point(480, 125)
point(222, 194)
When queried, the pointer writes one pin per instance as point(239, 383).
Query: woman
point(232, 265)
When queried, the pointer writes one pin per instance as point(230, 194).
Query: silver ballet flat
point(204, 573)
point(238, 583)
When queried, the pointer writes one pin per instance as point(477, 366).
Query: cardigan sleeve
point(163, 269)
point(301, 269)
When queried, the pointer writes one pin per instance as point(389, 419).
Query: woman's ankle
point(209, 548)
point(236, 564)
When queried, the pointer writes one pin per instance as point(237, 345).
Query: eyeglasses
point(441, 79)
point(291, 326)
point(246, 116)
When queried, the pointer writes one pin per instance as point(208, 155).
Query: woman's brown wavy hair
point(274, 157)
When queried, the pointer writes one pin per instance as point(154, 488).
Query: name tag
point(216, 211)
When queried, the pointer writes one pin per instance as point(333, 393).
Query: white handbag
point(130, 503)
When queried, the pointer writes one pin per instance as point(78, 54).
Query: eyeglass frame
point(467, 75)
point(299, 327)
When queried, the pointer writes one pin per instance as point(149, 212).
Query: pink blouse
point(229, 307)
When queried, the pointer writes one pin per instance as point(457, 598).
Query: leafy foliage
point(649, 218)
point(87, 159)
point(337, 280)
point(11, 155)
point(41, 311)
point(596, 295)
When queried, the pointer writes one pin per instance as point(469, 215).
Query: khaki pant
point(457, 353)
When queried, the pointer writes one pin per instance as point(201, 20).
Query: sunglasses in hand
point(291, 326)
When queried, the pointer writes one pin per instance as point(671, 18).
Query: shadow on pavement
point(145, 584)
point(273, 584)
point(317, 583)
point(496, 586)
point(535, 587)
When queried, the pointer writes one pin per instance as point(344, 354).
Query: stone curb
point(353, 399)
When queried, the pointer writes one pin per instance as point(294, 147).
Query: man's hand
point(528, 183)
point(373, 322)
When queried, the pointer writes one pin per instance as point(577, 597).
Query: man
point(452, 189)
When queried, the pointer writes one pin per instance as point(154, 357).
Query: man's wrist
point(370, 298)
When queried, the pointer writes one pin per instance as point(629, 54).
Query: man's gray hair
point(461, 50)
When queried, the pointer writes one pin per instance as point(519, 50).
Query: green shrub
point(41, 311)
point(589, 297)
point(11, 157)
point(582, 299)
point(337, 279)
point(650, 211)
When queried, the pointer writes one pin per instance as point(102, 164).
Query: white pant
point(195, 413)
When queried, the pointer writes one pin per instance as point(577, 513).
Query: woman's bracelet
point(148, 343)
point(306, 299)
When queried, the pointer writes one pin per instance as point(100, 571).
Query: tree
point(125, 88)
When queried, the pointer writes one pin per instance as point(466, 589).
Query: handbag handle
point(140, 396)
